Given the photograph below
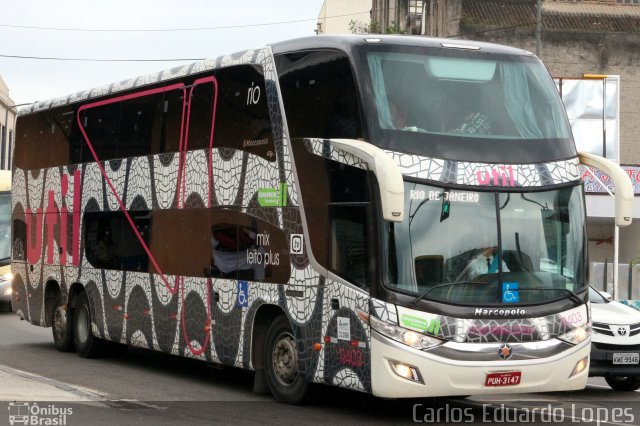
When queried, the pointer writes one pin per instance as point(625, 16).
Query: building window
point(9, 151)
point(3, 148)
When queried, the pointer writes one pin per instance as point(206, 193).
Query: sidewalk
point(17, 385)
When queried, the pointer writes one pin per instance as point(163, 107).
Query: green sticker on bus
point(422, 324)
point(273, 197)
point(411, 321)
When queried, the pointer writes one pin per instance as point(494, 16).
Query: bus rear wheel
point(61, 325)
point(281, 363)
point(87, 345)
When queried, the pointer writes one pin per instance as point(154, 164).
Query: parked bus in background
point(5, 239)
point(402, 216)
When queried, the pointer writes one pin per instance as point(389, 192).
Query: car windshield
point(449, 92)
point(473, 247)
point(5, 226)
point(595, 296)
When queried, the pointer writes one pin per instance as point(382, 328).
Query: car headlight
point(404, 335)
point(577, 335)
point(8, 291)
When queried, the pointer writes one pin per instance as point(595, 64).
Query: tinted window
point(112, 243)
point(19, 237)
point(323, 182)
point(202, 101)
point(349, 245)
point(189, 242)
point(141, 126)
point(242, 115)
point(101, 125)
point(148, 123)
point(47, 138)
point(319, 95)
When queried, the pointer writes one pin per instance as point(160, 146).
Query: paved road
point(148, 388)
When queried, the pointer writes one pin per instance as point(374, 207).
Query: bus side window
point(201, 116)
point(101, 126)
point(19, 243)
point(319, 95)
point(111, 242)
point(349, 242)
point(246, 248)
point(242, 115)
point(43, 141)
point(139, 120)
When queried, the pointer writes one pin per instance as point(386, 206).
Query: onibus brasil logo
point(26, 413)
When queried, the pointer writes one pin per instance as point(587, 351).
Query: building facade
point(7, 126)
point(341, 16)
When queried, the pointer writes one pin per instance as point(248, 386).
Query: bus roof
point(348, 42)
point(340, 42)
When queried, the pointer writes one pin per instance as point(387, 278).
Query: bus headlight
point(404, 335)
point(577, 335)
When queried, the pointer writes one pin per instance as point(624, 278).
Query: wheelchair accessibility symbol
point(243, 294)
point(510, 293)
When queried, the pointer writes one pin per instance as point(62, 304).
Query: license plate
point(626, 358)
point(507, 378)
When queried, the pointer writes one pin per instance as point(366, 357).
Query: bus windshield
point(472, 247)
point(453, 92)
point(5, 226)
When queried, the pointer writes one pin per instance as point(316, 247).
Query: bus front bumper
point(437, 376)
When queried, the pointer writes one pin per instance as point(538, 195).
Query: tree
point(359, 27)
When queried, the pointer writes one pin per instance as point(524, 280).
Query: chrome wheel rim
point(82, 322)
point(60, 322)
point(285, 359)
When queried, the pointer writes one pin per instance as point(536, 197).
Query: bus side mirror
point(387, 174)
point(622, 185)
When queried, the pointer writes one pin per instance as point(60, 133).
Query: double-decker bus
point(402, 216)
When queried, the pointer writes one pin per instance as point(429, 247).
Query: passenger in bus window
point(231, 247)
point(399, 114)
point(485, 263)
point(474, 122)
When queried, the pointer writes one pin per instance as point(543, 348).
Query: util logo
point(502, 176)
point(55, 216)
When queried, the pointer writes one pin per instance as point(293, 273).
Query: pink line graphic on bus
point(179, 285)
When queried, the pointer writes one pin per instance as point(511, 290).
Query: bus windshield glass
point(452, 92)
point(471, 247)
point(5, 226)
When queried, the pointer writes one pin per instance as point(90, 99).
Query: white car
point(615, 342)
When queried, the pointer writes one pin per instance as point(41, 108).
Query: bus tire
point(87, 345)
point(61, 322)
point(281, 363)
point(623, 384)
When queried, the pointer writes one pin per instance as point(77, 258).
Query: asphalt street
point(149, 388)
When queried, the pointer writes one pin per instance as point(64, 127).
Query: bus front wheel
point(281, 363)
point(87, 345)
point(61, 325)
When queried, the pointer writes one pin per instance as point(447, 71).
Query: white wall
point(7, 123)
point(331, 19)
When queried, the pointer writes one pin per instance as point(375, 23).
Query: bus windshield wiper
point(424, 294)
point(572, 295)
